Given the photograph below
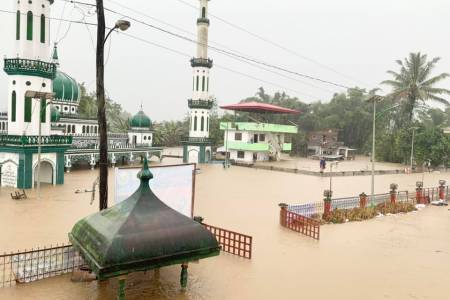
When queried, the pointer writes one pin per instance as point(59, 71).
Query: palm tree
point(413, 85)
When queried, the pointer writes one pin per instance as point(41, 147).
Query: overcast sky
point(350, 42)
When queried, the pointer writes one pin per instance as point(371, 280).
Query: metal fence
point(37, 264)
point(317, 208)
point(232, 242)
point(299, 223)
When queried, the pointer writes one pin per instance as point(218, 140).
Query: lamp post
point(412, 146)
point(375, 99)
point(101, 107)
point(42, 96)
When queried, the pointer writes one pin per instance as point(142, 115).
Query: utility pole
point(101, 107)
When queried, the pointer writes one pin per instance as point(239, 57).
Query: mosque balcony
point(29, 67)
point(25, 140)
point(202, 21)
point(196, 140)
point(202, 62)
point(200, 104)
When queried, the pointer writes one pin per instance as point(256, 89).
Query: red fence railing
point(304, 225)
point(232, 242)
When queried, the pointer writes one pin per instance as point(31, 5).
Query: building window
point(262, 137)
point(87, 129)
point(73, 128)
point(202, 124)
point(27, 115)
point(145, 138)
point(241, 154)
point(18, 25)
point(198, 82)
point(207, 124)
point(42, 29)
point(195, 123)
point(43, 110)
point(238, 136)
point(95, 129)
point(30, 26)
point(207, 85)
point(13, 106)
point(203, 83)
point(204, 12)
point(84, 129)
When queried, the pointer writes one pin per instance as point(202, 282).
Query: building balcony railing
point(26, 140)
point(196, 140)
point(203, 20)
point(19, 66)
point(200, 104)
point(202, 62)
point(243, 146)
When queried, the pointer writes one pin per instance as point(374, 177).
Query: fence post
point(362, 200)
point(442, 189)
point(419, 192)
point(394, 188)
point(327, 203)
point(283, 214)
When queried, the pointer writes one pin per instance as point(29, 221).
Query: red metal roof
point(259, 108)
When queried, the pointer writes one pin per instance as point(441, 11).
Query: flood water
point(395, 257)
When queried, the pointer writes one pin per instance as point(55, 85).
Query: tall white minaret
point(197, 148)
point(200, 105)
point(31, 70)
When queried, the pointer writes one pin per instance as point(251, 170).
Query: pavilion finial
point(145, 174)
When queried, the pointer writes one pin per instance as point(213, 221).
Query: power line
point(210, 41)
point(259, 62)
point(183, 54)
point(277, 45)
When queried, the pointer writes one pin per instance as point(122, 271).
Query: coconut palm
point(414, 84)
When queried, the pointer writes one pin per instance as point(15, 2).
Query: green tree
point(414, 84)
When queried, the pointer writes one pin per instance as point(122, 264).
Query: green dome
point(55, 115)
point(141, 120)
point(66, 88)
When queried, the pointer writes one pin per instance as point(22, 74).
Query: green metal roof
point(66, 88)
point(141, 120)
point(139, 234)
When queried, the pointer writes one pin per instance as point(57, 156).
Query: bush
point(339, 216)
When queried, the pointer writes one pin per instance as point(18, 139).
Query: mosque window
point(84, 129)
point(27, 115)
point(207, 85)
point(73, 128)
point(42, 29)
point(13, 106)
point(87, 129)
point(18, 25)
point(202, 124)
point(43, 110)
point(203, 83)
point(195, 123)
point(198, 81)
point(30, 26)
point(145, 138)
point(204, 12)
point(207, 124)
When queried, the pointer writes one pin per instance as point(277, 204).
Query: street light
point(101, 113)
point(43, 96)
point(375, 99)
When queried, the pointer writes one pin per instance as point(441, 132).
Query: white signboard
point(172, 184)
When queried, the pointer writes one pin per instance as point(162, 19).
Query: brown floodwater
point(394, 257)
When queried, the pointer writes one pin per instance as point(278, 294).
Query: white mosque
point(44, 101)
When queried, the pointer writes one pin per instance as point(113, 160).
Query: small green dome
point(55, 115)
point(141, 120)
point(66, 88)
